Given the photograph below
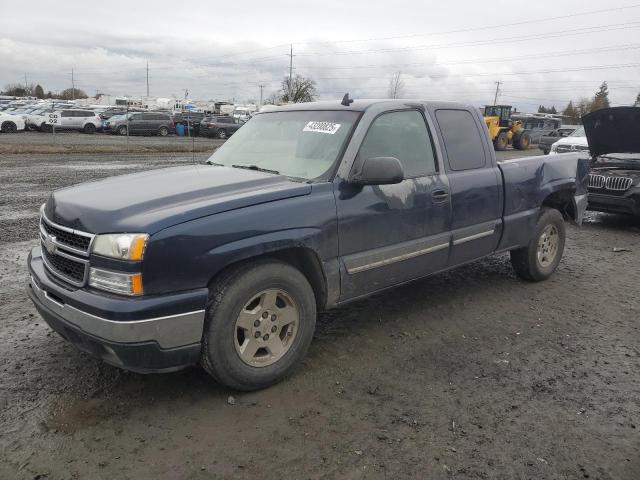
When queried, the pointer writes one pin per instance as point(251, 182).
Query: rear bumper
point(627, 204)
point(145, 344)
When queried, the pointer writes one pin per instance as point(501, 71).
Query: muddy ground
point(471, 374)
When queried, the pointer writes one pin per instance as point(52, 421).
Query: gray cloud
point(226, 53)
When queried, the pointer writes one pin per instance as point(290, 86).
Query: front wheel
point(222, 134)
point(163, 131)
point(538, 260)
point(500, 142)
point(122, 130)
point(260, 321)
point(9, 127)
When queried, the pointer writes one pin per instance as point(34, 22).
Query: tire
point(232, 300)
point(523, 141)
point(531, 263)
point(45, 127)
point(500, 142)
point(8, 127)
point(221, 134)
point(122, 130)
point(163, 131)
point(89, 128)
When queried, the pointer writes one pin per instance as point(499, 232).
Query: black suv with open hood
point(614, 142)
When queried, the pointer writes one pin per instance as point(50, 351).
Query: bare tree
point(396, 86)
point(302, 90)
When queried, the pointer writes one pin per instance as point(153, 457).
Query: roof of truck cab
point(361, 105)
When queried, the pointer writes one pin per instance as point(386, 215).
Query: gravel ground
point(471, 374)
point(77, 138)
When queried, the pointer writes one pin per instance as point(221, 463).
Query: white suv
point(86, 121)
point(10, 123)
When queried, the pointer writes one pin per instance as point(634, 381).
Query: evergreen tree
point(39, 91)
point(571, 114)
point(601, 98)
point(637, 102)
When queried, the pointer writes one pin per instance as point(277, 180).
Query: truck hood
point(613, 130)
point(148, 202)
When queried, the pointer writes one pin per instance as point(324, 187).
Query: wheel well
point(301, 258)
point(563, 202)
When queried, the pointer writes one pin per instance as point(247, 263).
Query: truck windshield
point(302, 144)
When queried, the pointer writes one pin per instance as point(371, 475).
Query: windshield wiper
point(257, 169)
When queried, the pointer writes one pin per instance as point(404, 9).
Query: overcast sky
point(224, 50)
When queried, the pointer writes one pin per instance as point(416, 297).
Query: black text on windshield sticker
point(321, 127)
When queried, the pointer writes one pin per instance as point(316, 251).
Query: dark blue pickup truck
point(307, 207)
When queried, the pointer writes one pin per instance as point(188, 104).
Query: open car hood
point(613, 130)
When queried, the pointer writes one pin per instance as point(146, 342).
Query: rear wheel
point(89, 128)
point(8, 127)
point(538, 260)
point(260, 322)
point(163, 131)
point(523, 141)
point(122, 130)
point(45, 127)
point(222, 133)
point(501, 141)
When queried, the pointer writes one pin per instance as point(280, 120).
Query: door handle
point(439, 195)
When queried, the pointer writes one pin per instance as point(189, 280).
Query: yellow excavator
point(504, 131)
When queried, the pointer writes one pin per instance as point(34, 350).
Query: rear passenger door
point(475, 184)
point(67, 119)
point(389, 234)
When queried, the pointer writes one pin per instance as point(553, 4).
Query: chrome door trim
point(383, 256)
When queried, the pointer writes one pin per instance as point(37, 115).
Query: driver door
point(389, 234)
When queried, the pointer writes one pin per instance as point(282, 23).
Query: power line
point(475, 29)
point(544, 55)
point(518, 38)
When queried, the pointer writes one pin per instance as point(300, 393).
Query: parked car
point(85, 121)
point(308, 207)
point(11, 123)
point(575, 142)
point(111, 112)
point(142, 123)
point(546, 141)
point(614, 181)
point(37, 120)
point(222, 126)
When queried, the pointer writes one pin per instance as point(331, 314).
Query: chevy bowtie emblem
point(50, 244)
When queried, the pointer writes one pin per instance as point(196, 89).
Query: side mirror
point(379, 171)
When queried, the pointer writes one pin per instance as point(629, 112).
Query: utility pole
point(495, 98)
point(73, 86)
point(291, 55)
point(147, 79)
point(25, 81)
point(261, 88)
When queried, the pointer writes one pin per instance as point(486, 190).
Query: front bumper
point(133, 336)
point(628, 204)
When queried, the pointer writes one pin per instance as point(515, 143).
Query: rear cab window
point(463, 141)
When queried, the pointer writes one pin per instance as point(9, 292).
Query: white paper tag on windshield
point(321, 127)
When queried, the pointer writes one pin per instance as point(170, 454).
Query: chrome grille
point(563, 148)
point(618, 183)
point(596, 181)
point(65, 251)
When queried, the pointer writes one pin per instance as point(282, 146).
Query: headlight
point(117, 282)
point(123, 246)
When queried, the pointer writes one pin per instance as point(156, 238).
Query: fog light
point(116, 282)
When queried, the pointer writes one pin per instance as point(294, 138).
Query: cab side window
point(462, 139)
point(403, 135)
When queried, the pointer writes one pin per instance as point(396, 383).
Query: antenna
point(346, 101)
